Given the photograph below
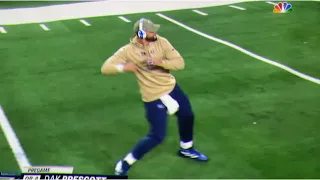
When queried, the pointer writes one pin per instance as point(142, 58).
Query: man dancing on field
point(151, 57)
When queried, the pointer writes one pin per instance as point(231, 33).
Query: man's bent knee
point(187, 115)
point(158, 138)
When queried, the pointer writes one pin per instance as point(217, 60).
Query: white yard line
point(271, 62)
point(200, 12)
point(272, 3)
point(237, 7)
point(124, 19)
point(44, 27)
point(2, 30)
point(13, 141)
point(84, 22)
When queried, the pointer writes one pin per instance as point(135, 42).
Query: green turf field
point(66, 113)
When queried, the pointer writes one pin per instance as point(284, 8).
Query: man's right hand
point(130, 67)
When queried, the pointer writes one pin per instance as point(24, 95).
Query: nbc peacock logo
point(282, 7)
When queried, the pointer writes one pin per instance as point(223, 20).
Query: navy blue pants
point(156, 114)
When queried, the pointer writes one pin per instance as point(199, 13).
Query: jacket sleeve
point(114, 63)
point(173, 59)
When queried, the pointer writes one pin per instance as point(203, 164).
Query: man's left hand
point(155, 62)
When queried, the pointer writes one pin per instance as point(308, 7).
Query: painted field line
point(13, 141)
point(200, 12)
point(272, 3)
point(237, 7)
point(124, 19)
point(84, 22)
point(44, 27)
point(271, 62)
point(2, 30)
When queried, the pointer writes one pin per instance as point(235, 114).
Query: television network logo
point(282, 7)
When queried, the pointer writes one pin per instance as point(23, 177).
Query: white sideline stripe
point(200, 12)
point(85, 22)
point(237, 7)
point(124, 19)
point(2, 30)
point(13, 141)
point(269, 2)
point(44, 27)
point(79, 10)
point(292, 71)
